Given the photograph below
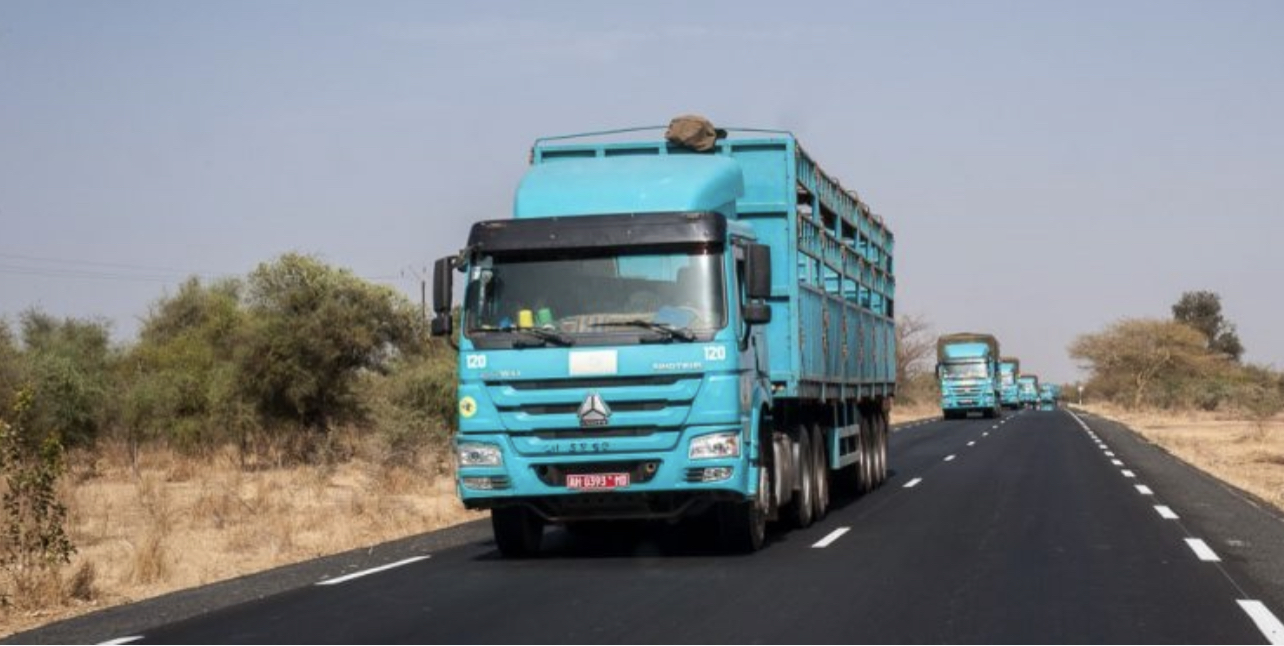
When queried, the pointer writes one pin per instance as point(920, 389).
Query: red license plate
point(596, 480)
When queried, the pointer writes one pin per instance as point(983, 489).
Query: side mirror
point(443, 283)
point(756, 313)
point(758, 271)
point(442, 295)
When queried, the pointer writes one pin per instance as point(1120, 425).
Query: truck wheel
point(864, 466)
point(518, 531)
point(743, 525)
point(820, 468)
point(799, 510)
point(884, 436)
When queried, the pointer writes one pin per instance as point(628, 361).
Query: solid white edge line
point(948, 458)
point(133, 638)
point(1265, 620)
point(912, 483)
point(1144, 490)
point(831, 537)
point(1202, 550)
point(373, 570)
point(1166, 512)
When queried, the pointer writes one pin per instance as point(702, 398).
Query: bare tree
point(915, 344)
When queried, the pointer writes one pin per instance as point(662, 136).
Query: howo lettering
point(710, 313)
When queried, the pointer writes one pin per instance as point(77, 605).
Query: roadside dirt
point(1246, 453)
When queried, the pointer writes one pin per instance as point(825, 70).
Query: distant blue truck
point(967, 367)
point(1049, 396)
point(1028, 385)
point(1009, 392)
point(694, 325)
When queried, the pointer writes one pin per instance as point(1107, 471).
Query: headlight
point(477, 454)
point(715, 445)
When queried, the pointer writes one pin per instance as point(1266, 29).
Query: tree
point(68, 366)
point(1132, 355)
point(1202, 310)
point(311, 331)
point(182, 373)
point(33, 536)
point(915, 348)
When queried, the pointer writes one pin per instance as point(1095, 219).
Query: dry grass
point(912, 413)
point(1245, 452)
point(159, 521)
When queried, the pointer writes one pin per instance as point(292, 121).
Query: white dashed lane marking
point(1128, 474)
point(831, 537)
point(912, 483)
point(1202, 550)
point(1144, 490)
point(1166, 512)
point(373, 570)
point(948, 458)
point(1264, 619)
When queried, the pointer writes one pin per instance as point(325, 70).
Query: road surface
point(1041, 527)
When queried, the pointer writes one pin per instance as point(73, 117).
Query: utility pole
point(422, 275)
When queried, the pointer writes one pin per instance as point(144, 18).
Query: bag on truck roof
point(694, 132)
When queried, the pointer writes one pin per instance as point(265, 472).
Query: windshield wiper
point(543, 336)
point(667, 330)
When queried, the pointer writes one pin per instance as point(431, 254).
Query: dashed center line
point(1128, 474)
point(1202, 550)
point(1117, 463)
point(985, 434)
point(373, 570)
point(1265, 620)
point(1166, 512)
point(912, 483)
point(948, 458)
point(972, 443)
point(1144, 490)
point(831, 537)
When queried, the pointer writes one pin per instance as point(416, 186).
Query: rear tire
point(799, 510)
point(820, 469)
point(865, 465)
point(883, 427)
point(518, 531)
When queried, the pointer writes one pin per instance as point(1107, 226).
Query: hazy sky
point(1047, 167)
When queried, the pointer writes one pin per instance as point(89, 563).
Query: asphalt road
point(1042, 527)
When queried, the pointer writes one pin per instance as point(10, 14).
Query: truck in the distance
point(1049, 396)
point(666, 328)
point(1028, 384)
point(1009, 392)
point(967, 367)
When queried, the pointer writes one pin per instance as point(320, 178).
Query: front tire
point(518, 531)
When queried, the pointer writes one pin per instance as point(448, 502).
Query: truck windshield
point(636, 294)
point(964, 370)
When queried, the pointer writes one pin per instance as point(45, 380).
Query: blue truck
point(967, 367)
point(1009, 392)
point(1028, 384)
point(670, 328)
point(1049, 396)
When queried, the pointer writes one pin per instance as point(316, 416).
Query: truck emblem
point(594, 411)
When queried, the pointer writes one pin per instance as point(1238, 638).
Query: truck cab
point(1029, 390)
point(1009, 392)
point(968, 372)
